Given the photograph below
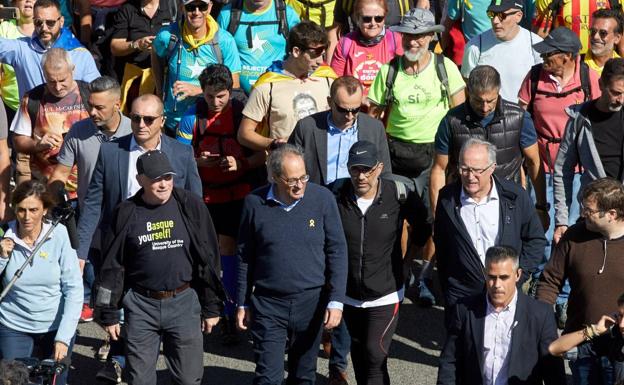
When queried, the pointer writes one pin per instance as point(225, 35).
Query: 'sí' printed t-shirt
point(157, 248)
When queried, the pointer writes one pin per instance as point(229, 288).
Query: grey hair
point(496, 254)
point(276, 158)
point(483, 78)
point(56, 58)
point(103, 84)
point(491, 149)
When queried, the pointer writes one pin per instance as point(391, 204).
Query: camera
point(43, 372)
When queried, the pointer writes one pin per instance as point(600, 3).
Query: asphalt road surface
point(413, 353)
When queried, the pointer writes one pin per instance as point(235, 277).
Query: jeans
point(574, 211)
point(15, 344)
point(589, 369)
point(341, 344)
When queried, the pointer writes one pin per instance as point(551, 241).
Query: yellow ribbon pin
point(311, 222)
point(43, 254)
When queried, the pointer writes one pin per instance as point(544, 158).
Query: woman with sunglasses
point(361, 53)
point(40, 314)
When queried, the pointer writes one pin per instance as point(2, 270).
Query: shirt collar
point(12, 234)
point(511, 307)
point(332, 129)
point(465, 199)
point(135, 146)
point(272, 197)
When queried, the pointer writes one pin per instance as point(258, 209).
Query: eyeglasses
point(203, 7)
point(476, 171)
point(501, 15)
point(601, 32)
point(587, 210)
point(315, 52)
point(134, 118)
point(49, 23)
point(548, 55)
point(292, 182)
point(369, 19)
point(356, 171)
point(345, 111)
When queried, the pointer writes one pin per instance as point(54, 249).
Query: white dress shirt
point(497, 342)
point(135, 152)
point(481, 220)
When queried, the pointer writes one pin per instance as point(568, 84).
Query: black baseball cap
point(559, 39)
point(362, 153)
point(154, 164)
point(504, 5)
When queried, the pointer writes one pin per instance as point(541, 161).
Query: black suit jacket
point(461, 361)
point(310, 133)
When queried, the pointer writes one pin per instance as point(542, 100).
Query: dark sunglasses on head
point(315, 52)
point(501, 15)
point(203, 7)
point(147, 119)
point(345, 111)
point(368, 19)
point(50, 23)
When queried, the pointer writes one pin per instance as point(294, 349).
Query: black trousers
point(297, 319)
point(371, 331)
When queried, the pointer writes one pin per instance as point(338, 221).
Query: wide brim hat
point(417, 21)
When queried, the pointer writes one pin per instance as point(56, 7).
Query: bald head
point(149, 99)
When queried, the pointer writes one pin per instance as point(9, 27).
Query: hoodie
point(25, 54)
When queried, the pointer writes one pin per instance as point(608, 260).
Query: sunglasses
point(147, 119)
point(203, 7)
point(345, 111)
point(356, 171)
point(601, 32)
point(369, 19)
point(315, 52)
point(501, 15)
point(49, 23)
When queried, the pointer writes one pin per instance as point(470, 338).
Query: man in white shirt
point(506, 47)
point(503, 338)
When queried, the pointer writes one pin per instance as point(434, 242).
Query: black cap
point(504, 5)
point(362, 153)
point(154, 164)
point(559, 39)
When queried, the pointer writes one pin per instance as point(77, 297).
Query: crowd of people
point(275, 167)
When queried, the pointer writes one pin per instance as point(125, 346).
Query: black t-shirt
point(157, 248)
point(608, 131)
point(131, 23)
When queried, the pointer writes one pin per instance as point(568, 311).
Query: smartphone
point(7, 13)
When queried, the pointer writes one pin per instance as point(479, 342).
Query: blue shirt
point(339, 143)
point(528, 135)
point(272, 197)
point(473, 14)
point(267, 44)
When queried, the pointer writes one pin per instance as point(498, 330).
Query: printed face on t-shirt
point(304, 105)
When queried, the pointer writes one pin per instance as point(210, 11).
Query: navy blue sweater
point(287, 252)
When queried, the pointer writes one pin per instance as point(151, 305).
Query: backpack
point(393, 71)
point(36, 95)
point(280, 14)
point(348, 43)
point(535, 75)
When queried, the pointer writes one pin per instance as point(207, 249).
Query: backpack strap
point(282, 18)
point(443, 77)
point(585, 82)
point(235, 16)
point(34, 102)
point(401, 191)
point(534, 76)
point(216, 49)
point(393, 71)
point(347, 44)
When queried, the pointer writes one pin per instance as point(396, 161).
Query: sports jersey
point(191, 64)
point(267, 44)
point(419, 104)
point(589, 60)
point(320, 12)
point(8, 82)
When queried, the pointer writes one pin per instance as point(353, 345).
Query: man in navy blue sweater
point(292, 269)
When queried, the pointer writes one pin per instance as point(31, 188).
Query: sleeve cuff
point(335, 305)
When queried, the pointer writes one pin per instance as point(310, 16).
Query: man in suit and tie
point(500, 337)
point(477, 212)
point(327, 136)
point(114, 180)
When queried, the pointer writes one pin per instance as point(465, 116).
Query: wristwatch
point(544, 207)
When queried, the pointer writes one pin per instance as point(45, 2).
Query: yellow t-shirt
point(589, 60)
point(313, 10)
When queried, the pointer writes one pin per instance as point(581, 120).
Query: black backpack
point(36, 95)
point(235, 20)
point(393, 71)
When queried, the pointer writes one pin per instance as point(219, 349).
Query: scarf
point(188, 38)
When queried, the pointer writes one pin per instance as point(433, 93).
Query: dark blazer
point(459, 265)
point(109, 183)
point(461, 360)
point(310, 133)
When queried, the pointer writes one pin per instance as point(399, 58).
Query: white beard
point(414, 57)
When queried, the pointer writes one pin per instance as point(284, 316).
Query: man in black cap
point(162, 259)
point(506, 47)
point(373, 211)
